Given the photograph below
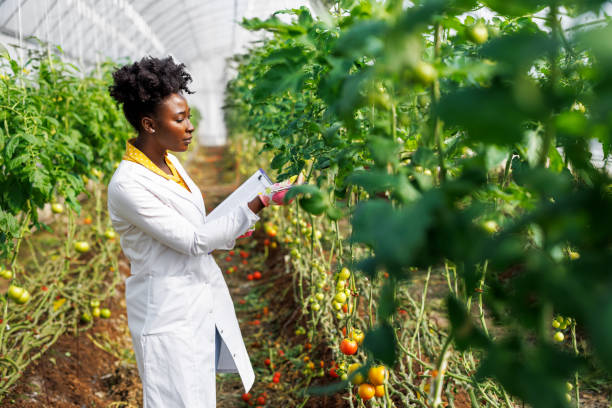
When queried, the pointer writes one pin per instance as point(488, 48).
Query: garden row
point(61, 137)
point(440, 147)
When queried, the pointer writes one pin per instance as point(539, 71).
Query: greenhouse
point(310, 204)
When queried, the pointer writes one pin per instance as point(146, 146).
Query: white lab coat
point(177, 299)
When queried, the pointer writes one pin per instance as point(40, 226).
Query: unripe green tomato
point(315, 306)
point(105, 313)
point(320, 296)
point(95, 312)
point(81, 246)
point(15, 292)
point(293, 221)
point(320, 268)
point(57, 208)
point(94, 303)
point(425, 73)
point(339, 315)
point(344, 274)
point(7, 274)
point(569, 386)
point(311, 300)
point(336, 305)
point(25, 296)
point(318, 234)
point(568, 397)
point(563, 326)
point(86, 317)
point(347, 293)
point(340, 285)
point(320, 284)
point(556, 324)
point(558, 336)
point(490, 226)
point(110, 233)
point(295, 253)
point(340, 297)
point(478, 33)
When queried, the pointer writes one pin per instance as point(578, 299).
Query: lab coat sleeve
point(143, 209)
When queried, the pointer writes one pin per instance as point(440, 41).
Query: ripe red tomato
point(266, 242)
point(256, 275)
point(250, 276)
point(232, 252)
point(267, 361)
point(261, 400)
point(228, 258)
point(244, 254)
point(244, 262)
point(348, 347)
point(246, 397)
point(332, 373)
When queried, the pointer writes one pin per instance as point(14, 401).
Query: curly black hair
point(142, 86)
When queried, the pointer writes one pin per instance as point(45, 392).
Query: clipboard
point(248, 190)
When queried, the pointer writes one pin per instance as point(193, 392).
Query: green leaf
point(382, 344)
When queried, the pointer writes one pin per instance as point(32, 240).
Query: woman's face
point(172, 127)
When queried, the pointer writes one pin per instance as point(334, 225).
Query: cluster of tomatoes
point(260, 400)
point(96, 311)
point(375, 386)
point(561, 323)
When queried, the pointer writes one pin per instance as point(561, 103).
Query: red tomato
point(244, 254)
point(281, 353)
point(348, 347)
point(261, 400)
point(228, 258)
point(244, 262)
point(267, 361)
point(256, 322)
point(232, 252)
point(266, 242)
point(250, 276)
point(256, 275)
point(332, 372)
point(246, 396)
point(242, 301)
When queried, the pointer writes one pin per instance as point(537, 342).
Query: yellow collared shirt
point(133, 154)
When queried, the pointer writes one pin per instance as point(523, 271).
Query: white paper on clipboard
point(254, 185)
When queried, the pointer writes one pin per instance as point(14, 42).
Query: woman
point(180, 313)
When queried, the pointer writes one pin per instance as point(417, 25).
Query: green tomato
point(95, 312)
point(320, 296)
point(105, 313)
point(336, 305)
point(425, 73)
point(15, 292)
point(6, 274)
point(340, 285)
point(94, 303)
point(478, 33)
point(25, 296)
point(81, 246)
point(556, 324)
point(344, 274)
point(315, 306)
point(110, 233)
point(340, 297)
point(558, 337)
point(85, 317)
point(57, 208)
point(490, 226)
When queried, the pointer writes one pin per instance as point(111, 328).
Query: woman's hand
point(275, 195)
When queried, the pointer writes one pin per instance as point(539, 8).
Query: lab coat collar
point(194, 197)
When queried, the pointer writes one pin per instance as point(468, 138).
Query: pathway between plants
point(96, 368)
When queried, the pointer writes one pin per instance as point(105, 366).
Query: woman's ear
point(148, 124)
